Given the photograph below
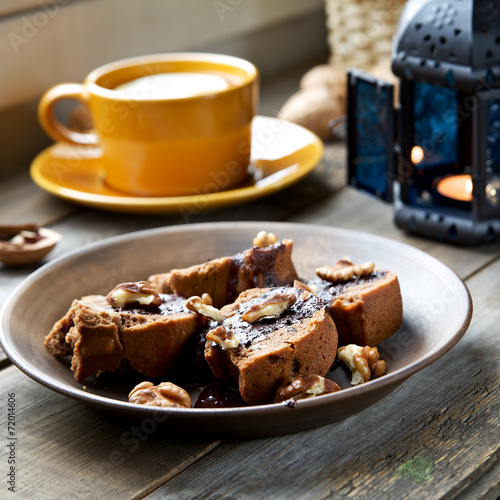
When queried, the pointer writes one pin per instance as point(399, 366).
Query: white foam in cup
point(173, 85)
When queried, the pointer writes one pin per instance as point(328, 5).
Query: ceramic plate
point(437, 311)
point(282, 154)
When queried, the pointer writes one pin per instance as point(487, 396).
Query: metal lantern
point(440, 164)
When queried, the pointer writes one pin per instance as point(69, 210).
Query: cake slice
point(226, 277)
point(94, 338)
point(103, 334)
point(268, 335)
point(154, 342)
point(365, 303)
point(55, 341)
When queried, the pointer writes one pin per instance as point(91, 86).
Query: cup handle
point(52, 125)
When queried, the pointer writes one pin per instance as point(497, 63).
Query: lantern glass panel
point(438, 136)
point(435, 122)
point(371, 134)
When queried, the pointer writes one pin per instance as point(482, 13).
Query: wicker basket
point(360, 31)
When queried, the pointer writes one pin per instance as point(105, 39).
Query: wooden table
point(437, 436)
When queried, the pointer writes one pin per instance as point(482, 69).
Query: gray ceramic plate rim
point(392, 379)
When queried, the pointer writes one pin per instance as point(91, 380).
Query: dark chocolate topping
point(326, 290)
point(261, 259)
point(219, 395)
point(254, 269)
point(170, 304)
point(249, 333)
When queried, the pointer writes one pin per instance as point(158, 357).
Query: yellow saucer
point(282, 154)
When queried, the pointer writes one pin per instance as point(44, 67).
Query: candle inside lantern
point(456, 187)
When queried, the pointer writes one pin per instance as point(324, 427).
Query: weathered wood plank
point(66, 450)
point(486, 487)
point(430, 439)
point(22, 201)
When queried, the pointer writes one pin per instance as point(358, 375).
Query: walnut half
point(273, 307)
point(344, 270)
point(363, 362)
point(134, 294)
point(305, 387)
point(264, 239)
point(166, 395)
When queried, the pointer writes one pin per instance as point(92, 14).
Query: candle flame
point(417, 154)
point(468, 186)
point(456, 187)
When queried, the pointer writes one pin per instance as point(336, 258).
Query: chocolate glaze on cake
point(300, 341)
point(219, 395)
point(325, 289)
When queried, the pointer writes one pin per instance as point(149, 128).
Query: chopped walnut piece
point(363, 362)
point(134, 294)
point(24, 237)
point(264, 239)
point(308, 288)
point(378, 368)
point(166, 394)
point(305, 387)
point(273, 307)
point(10, 231)
point(226, 339)
point(203, 305)
point(344, 270)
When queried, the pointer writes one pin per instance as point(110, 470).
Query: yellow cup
point(165, 138)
